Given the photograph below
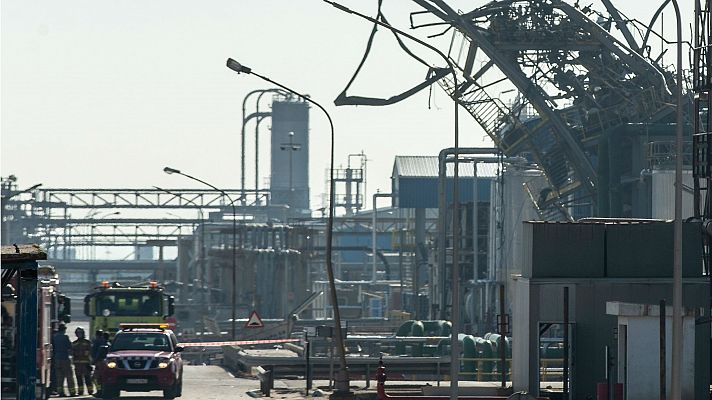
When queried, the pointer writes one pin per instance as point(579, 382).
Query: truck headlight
point(111, 364)
point(163, 364)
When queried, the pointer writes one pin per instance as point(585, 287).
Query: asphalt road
point(207, 382)
point(211, 382)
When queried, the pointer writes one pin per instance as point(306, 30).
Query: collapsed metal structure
point(578, 93)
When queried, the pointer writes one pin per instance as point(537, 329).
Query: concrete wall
point(643, 357)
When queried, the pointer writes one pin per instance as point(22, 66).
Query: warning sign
point(254, 321)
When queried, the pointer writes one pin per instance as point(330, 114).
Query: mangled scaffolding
point(576, 91)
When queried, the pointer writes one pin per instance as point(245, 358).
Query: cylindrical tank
point(469, 358)
point(403, 330)
point(484, 352)
point(418, 329)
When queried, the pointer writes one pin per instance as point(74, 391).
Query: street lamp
point(202, 255)
point(454, 344)
point(677, 333)
point(342, 379)
point(94, 214)
point(170, 171)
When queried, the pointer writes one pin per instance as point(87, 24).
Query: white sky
point(107, 93)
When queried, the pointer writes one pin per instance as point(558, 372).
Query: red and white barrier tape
point(237, 342)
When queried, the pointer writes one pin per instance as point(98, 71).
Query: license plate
point(136, 381)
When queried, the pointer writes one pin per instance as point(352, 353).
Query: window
point(129, 304)
point(142, 341)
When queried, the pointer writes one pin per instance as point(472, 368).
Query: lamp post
point(201, 256)
point(342, 379)
point(454, 344)
point(677, 334)
point(169, 171)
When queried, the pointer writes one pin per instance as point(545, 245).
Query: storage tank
point(289, 180)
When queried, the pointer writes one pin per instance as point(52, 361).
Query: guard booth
point(19, 326)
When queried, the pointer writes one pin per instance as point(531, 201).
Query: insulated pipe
point(257, 129)
point(242, 139)
point(374, 276)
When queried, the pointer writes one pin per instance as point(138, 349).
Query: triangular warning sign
point(254, 321)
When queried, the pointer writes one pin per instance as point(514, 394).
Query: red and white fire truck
point(53, 308)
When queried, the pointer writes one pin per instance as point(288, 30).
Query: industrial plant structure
point(572, 203)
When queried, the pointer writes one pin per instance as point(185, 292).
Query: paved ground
point(208, 382)
point(212, 382)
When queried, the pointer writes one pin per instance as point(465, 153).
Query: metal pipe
point(502, 337)
point(442, 222)
point(475, 212)
point(566, 343)
point(663, 375)
point(242, 138)
point(442, 172)
point(374, 217)
point(677, 334)
point(257, 129)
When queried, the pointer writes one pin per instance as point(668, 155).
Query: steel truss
point(144, 198)
point(67, 217)
point(551, 81)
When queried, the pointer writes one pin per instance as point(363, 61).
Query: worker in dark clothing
point(81, 353)
point(96, 346)
point(61, 351)
point(98, 354)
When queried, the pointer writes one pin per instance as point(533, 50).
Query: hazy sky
point(106, 93)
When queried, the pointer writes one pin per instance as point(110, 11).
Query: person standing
point(61, 351)
point(98, 353)
point(81, 353)
point(96, 346)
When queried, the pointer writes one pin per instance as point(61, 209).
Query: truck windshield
point(141, 341)
point(128, 304)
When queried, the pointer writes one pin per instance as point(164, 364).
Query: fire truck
point(112, 304)
point(53, 308)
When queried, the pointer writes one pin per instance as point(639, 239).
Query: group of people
point(82, 353)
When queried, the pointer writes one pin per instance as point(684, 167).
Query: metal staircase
point(582, 83)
